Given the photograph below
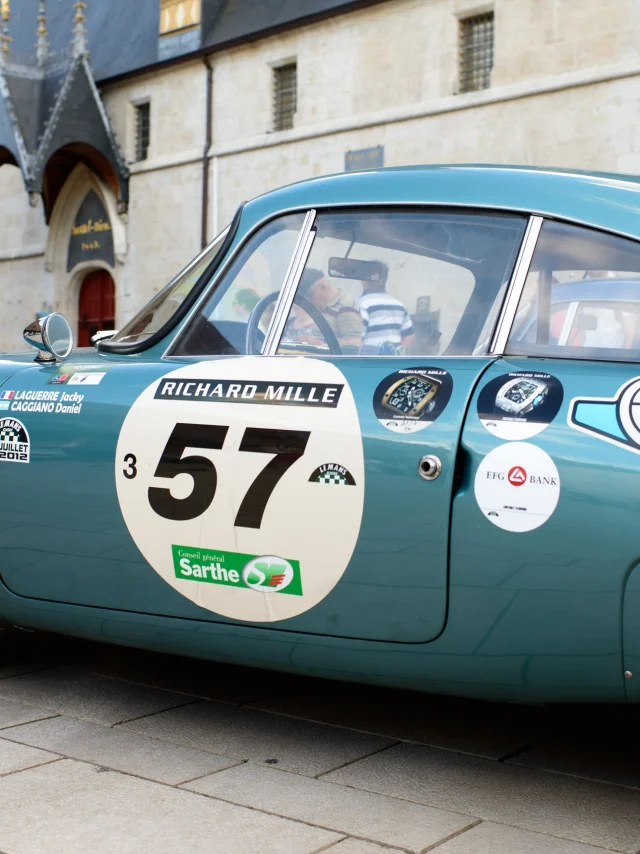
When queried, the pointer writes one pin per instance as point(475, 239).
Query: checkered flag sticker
point(334, 474)
point(332, 477)
point(8, 434)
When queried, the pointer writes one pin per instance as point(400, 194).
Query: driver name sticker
point(412, 398)
point(517, 487)
point(519, 405)
point(223, 500)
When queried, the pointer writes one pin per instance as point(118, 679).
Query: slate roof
point(123, 34)
point(57, 107)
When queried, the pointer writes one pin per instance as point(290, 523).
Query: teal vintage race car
point(385, 428)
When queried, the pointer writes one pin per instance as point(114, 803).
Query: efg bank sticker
point(517, 486)
point(519, 405)
point(411, 399)
point(225, 473)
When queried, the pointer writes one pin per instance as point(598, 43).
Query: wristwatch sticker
point(411, 399)
point(519, 405)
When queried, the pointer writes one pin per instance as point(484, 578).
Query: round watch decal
point(225, 473)
point(519, 405)
point(411, 399)
point(517, 486)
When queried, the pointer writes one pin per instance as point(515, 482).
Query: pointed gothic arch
point(67, 283)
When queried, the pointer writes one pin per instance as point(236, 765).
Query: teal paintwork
point(548, 615)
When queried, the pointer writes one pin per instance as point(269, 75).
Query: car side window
point(581, 298)
point(258, 272)
point(401, 283)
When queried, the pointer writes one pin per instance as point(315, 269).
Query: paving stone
point(359, 846)
point(293, 745)
point(582, 810)
point(12, 714)
point(373, 817)
point(75, 808)
point(206, 679)
point(19, 654)
point(14, 757)
point(120, 750)
point(481, 728)
point(490, 838)
point(83, 695)
point(601, 745)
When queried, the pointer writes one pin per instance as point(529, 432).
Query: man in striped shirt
point(385, 320)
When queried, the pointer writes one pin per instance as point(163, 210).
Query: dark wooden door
point(97, 306)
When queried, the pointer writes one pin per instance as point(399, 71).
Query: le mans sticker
point(517, 486)
point(242, 483)
point(14, 441)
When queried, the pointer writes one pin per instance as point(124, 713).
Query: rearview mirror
point(355, 268)
point(51, 335)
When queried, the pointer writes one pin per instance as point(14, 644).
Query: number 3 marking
point(287, 445)
point(132, 461)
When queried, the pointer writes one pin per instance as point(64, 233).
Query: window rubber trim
point(123, 349)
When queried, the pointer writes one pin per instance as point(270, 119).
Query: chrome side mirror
point(103, 335)
point(52, 336)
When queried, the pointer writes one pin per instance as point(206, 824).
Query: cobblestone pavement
point(105, 749)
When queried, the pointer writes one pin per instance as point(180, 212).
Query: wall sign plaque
point(91, 236)
point(364, 158)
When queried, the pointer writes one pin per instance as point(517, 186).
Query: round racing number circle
point(242, 483)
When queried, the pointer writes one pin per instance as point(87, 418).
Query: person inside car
point(385, 320)
point(339, 310)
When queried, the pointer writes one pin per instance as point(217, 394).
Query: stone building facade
point(384, 78)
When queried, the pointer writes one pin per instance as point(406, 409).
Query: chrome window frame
point(516, 287)
point(290, 285)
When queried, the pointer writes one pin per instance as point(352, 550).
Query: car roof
point(602, 200)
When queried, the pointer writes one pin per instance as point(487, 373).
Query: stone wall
point(563, 93)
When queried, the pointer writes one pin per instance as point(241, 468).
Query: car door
point(302, 489)
point(544, 527)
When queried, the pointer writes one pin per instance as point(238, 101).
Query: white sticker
point(225, 473)
point(15, 446)
point(519, 405)
point(86, 379)
point(517, 486)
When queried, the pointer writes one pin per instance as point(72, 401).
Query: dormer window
point(178, 15)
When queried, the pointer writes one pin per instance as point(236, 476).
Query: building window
point(285, 93)
point(476, 52)
point(178, 15)
point(143, 129)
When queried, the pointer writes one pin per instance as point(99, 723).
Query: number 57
point(287, 446)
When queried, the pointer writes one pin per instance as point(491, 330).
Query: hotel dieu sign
point(91, 236)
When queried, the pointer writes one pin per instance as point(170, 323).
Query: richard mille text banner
point(247, 391)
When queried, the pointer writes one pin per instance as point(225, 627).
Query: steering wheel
point(253, 346)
